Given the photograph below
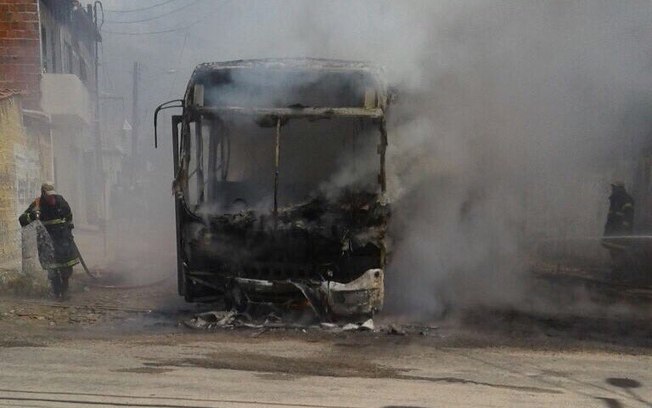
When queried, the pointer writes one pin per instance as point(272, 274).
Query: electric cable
point(155, 17)
point(171, 30)
point(142, 8)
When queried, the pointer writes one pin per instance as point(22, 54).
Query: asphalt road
point(103, 349)
point(273, 370)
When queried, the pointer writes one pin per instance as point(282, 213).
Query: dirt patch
point(144, 370)
point(627, 331)
point(7, 343)
point(297, 366)
point(14, 282)
point(150, 315)
point(401, 406)
point(456, 380)
point(277, 376)
point(292, 368)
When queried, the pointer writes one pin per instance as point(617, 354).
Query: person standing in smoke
point(620, 220)
point(56, 246)
point(620, 224)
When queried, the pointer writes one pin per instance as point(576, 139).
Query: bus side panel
point(181, 286)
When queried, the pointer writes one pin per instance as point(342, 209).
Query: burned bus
point(279, 183)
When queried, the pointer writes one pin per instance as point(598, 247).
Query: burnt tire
point(235, 298)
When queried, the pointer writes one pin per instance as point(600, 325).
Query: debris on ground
point(367, 325)
point(212, 320)
point(396, 330)
point(25, 282)
point(232, 319)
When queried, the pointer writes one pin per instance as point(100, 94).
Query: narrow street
point(232, 370)
point(127, 348)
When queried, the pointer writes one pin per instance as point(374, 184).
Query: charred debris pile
point(313, 233)
point(306, 256)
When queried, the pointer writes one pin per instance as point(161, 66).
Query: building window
point(69, 59)
point(82, 70)
point(44, 49)
point(54, 54)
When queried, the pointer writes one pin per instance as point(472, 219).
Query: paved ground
point(110, 347)
point(235, 370)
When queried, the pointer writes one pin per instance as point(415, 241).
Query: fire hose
point(83, 263)
point(96, 278)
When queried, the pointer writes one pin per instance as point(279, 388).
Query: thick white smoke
point(512, 118)
point(516, 134)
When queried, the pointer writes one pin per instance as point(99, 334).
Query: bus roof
point(333, 83)
point(289, 63)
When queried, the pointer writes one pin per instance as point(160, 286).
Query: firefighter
point(619, 225)
point(620, 220)
point(56, 246)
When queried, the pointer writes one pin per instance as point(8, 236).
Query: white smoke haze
point(529, 102)
point(508, 125)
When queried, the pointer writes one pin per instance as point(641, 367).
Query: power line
point(142, 8)
point(171, 30)
point(155, 17)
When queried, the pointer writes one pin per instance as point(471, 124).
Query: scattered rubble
point(14, 281)
point(215, 320)
point(368, 325)
point(393, 329)
point(232, 319)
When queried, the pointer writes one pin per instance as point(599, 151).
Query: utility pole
point(96, 121)
point(101, 180)
point(134, 123)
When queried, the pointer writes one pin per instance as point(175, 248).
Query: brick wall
point(20, 175)
point(10, 132)
point(20, 55)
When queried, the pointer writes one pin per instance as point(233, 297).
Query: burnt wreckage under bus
point(280, 184)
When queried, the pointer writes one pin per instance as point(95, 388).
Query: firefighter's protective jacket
point(56, 246)
point(621, 213)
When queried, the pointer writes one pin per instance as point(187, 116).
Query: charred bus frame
point(328, 251)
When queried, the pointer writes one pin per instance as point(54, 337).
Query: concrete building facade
point(25, 150)
point(48, 53)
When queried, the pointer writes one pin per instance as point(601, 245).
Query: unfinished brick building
point(47, 53)
point(48, 83)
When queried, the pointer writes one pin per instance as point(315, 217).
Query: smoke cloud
point(517, 132)
point(511, 120)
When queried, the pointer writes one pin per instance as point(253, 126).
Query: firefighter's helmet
point(47, 188)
